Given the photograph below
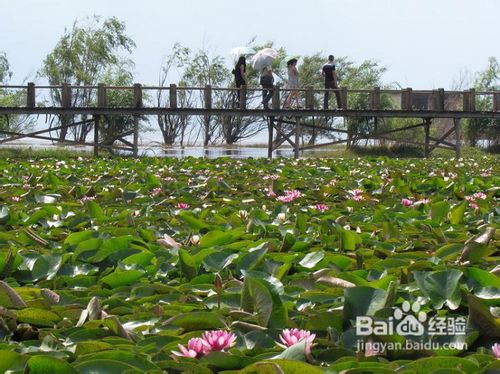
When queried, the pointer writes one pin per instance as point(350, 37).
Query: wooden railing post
point(137, 95)
point(243, 97)
point(375, 98)
point(208, 96)
point(472, 98)
point(30, 95)
point(440, 98)
point(101, 95)
point(172, 97)
point(276, 97)
point(343, 98)
point(297, 138)
point(496, 102)
point(309, 98)
point(406, 98)
point(66, 95)
point(466, 101)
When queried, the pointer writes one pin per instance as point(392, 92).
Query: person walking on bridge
point(240, 76)
point(266, 81)
point(330, 76)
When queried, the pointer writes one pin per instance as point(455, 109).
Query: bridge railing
point(247, 98)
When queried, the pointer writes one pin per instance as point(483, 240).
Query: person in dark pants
point(266, 81)
point(330, 75)
point(239, 76)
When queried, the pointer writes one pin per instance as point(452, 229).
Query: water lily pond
point(367, 265)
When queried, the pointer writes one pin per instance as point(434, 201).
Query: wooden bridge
point(426, 105)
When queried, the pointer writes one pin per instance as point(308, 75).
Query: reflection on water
point(214, 152)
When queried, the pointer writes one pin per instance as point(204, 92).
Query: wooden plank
point(427, 126)
point(458, 137)
point(466, 101)
point(496, 102)
point(136, 136)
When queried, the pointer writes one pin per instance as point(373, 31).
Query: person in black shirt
point(330, 75)
point(239, 75)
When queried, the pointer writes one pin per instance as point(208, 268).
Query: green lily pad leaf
point(122, 278)
point(192, 220)
point(95, 210)
point(481, 317)
point(348, 239)
point(296, 352)
point(104, 367)
point(197, 321)
point(4, 215)
point(439, 211)
point(449, 251)
point(91, 346)
point(9, 360)
point(136, 360)
point(251, 259)
point(457, 213)
point(483, 277)
point(311, 259)
point(46, 267)
point(256, 298)
point(428, 365)
point(188, 264)
point(440, 287)
point(281, 366)
point(37, 317)
point(215, 238)
point(219, 260)
point(363, 301)
point(226, 361)
point(49, 365)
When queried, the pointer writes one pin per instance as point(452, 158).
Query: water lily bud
point(243, 214)
point(195, 239)
point(281, 217)
point(218, 282)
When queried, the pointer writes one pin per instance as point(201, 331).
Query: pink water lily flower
point(194, 348)
point(289, 196)
point(217, 340)
point(496, 350)
point(290, 337)
point(406, 202)
point(182, 206)
point(321, 207)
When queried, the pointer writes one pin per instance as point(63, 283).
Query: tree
point(11, 98)
point(81, 58)
point(174, 127)
point(480, 128)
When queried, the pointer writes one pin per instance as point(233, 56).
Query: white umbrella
point(263, 58)
point(242, 51)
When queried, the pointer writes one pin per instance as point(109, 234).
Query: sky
point(424, 44)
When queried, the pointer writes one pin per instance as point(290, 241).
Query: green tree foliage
point(11, 98)
point(82, 57)
point(479, 128)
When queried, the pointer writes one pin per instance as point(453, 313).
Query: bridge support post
point(97, 119)
point(297, 138)
point(270, 139)
point(137, 104)
point(458, 136)
point(427, 130)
